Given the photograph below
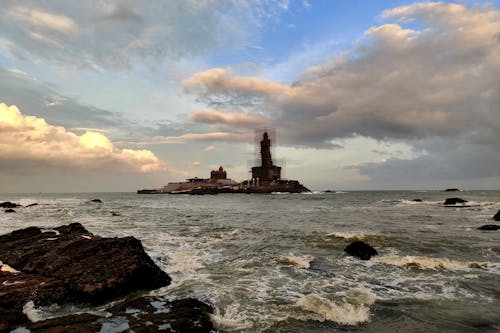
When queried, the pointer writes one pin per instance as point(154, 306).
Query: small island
point(266, 178)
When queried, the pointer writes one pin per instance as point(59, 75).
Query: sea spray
point(351, 310)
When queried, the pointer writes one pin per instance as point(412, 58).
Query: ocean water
point(275, 263)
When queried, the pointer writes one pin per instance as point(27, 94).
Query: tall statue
point(265, 151)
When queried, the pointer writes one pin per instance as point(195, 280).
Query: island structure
point(266, 178)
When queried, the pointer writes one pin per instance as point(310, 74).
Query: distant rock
point(115, 214)
point(8, 204)
point(454, 201)
point(31, 205)
point(417, 200)
point(329, 191)
point(70, 265)
point(360, 250)
point(489, 227)
point(96, 200)
point(497, 216)
point(10, 210)
point(452, 190)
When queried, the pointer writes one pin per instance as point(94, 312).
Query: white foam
point(232, 319)
point(51, 230)
point(430, 263)
point(7, 268)
point(8, 283)
point(31, 312)
point(86, 237)
point(343, 312)
point(303, 262)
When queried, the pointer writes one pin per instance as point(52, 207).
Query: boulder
point(417, 200)
point(96, 200)
point(452, 190)
point(454, 201)
point(360, 250)
point(31, 205)
point(143, 314)
point(489, 227)
point(8, 204)
point(497, 216)
point(10, 210)
point(70, 265)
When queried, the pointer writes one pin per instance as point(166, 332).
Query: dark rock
point(454, 201)
point(360, 250)
point(329, 191)
point(96, 200)
point(70, 265)
point(8, 204)
point(115, 214)
point(452, 190)
point(417, 200)
point(31, 205)
point(489, 227)
point(10, 210)
point(143, 314)
point(497, 216)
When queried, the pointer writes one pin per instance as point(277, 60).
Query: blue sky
point(358, 91)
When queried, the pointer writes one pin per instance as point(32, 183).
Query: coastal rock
point(417, 200)
point(31, 205)
point(497, 216)
point(96, 200)
point(69, 265)
point(10, 210)
point(454, 201)
point(489, 227)
point(360, 250)
point(8, 204)
point(452, 190)
point(143, 314)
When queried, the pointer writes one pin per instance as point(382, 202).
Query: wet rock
point(489, 227)
point(10, 210)
point(8, 204)
point(115, 214)
point(31, 205)
point(417, 200)
point(96, 200)
point(70, 265)
point(143, 314)
point(454, 201)
point(452, 190)
point(360, 250)
point(497, 216)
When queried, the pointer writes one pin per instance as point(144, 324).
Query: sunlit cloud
point(209, 116)
point(28, 138)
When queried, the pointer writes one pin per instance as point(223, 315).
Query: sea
point(275, 262)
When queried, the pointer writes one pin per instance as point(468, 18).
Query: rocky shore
point(70, 265)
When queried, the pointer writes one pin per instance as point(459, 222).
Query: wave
point(7, 268)
point(359, 236)
point(352, 311)
point(232, 319)
point(431, 263)
point(303, 262)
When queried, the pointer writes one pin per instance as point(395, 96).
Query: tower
point(267, 171)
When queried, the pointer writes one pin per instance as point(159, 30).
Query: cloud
point(111, 34)
point(29, 139)
point(34, 18)
point(437, 82)
point(196, 163)
point(209, 148)
point(209, 116)
point(210, 136)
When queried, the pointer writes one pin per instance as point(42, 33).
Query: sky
point(363, 95)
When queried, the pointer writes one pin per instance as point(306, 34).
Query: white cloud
point(210, 136)
point(209, 116)
point(41, 19)
point(209, 148)
point(25, 139)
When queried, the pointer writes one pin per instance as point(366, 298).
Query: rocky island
point(266, 178)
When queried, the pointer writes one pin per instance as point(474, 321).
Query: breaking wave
point(352, 310)
point(431, 263)
point(303, 262)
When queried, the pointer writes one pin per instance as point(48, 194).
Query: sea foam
point(430, 263)
point(303, 262)
point(353, 310)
